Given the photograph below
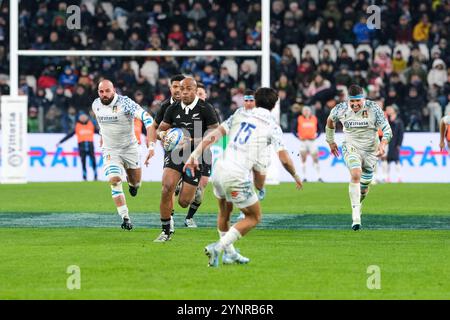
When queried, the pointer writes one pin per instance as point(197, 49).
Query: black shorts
point(185, 176)
point(205, 170)
point(86, 149)
point(206, 165)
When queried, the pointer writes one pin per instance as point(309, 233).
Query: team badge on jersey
point(114, 109)
point(365, 114)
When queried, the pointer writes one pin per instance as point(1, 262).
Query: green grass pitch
point(407, 236)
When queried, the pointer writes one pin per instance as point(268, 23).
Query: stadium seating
point(155, 33)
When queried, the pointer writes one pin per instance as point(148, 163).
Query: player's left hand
point(334, 149)
point(381, 149)
point(151, 153)
point(298, 182)
point(192, 165)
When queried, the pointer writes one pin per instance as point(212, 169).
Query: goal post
point(263, 54)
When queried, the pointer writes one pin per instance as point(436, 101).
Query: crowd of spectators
point(318, 48)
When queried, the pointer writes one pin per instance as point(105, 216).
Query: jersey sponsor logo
point(356, 124)
point(108, 118)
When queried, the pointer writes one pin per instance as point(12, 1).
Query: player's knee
point(254, 219)
point(184, 202)
point(167, 189)
point(356, 176)
point(258, 218)
point(203, 182)
point(115, 181)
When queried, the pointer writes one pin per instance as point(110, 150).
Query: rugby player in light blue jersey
point(361, 120)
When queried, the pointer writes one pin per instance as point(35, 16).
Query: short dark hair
point(355, 90)
point(177, 77)
point(200, 85)
point(266, 98)
point(249, 92)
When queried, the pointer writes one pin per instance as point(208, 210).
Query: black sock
point(173, 211)
point(165, 223)
point(192, 209)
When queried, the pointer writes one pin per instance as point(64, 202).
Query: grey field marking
point(269, 221)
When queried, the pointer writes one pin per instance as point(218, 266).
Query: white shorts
point(128, 158)
point(308, 146)
point(235, 188)
point(355, 158)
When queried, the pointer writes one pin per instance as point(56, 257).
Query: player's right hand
point(442, 145)
point(151, 153)
point(192, 165)
point(162, 136)
point(334, 149)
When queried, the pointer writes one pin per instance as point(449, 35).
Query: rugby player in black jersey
point(194, 117)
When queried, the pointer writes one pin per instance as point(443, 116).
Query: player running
point(205, 172)
point(261, 167)
point(115, 115)
point(175, 96)
point(250, 133)
point(194, 116)
point(361, 147)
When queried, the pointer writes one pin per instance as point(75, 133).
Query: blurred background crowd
point(318, 48)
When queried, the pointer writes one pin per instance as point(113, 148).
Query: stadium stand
point(318, 49)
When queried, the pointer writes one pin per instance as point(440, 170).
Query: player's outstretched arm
point(287, 163)
point(151, 143)
point(329, 136)
point(442, 129)
point(192, 163)
point(67, 137)
point(148, 121)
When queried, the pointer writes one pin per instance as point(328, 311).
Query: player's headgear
point(249, 94)
point(266, 98)
point(355, 92)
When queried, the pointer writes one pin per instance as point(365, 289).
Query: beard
point(107, 101)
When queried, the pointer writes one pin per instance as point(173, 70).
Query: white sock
point(317, 167)
point(228, 239)
point(230, 249)
point(304, 170)
point(123, 211)
point(354, 190)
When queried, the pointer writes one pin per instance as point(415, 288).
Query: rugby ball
point(173, 138)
